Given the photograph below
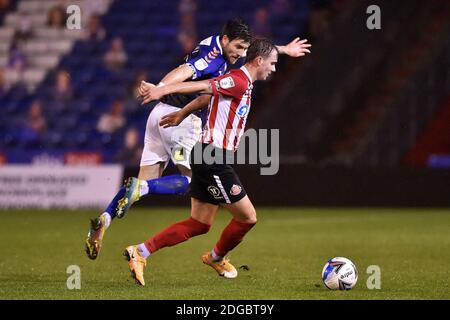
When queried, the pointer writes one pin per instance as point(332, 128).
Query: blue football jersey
point(207, 61)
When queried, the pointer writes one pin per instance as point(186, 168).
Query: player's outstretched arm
point(177, 75)
point(296, 48)
point(156, 93)
point(175, 118)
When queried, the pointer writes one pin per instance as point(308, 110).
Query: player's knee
point(250, 217)
point(252, 220)
point(184, 170)
point(201, 229)
point(205, 228)
point(149, 172)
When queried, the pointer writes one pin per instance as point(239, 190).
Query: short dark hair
point(236, 29)
point(260, 47)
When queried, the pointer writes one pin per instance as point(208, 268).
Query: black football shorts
point(214, 183)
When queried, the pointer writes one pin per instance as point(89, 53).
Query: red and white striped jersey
point(228, 109)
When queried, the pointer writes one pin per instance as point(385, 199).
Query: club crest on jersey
point(243, 110)
point(235, 190)
point(215, 192)
point(226, 83)
point(201, 64)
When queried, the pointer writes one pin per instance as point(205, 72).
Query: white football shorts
point(176, 143)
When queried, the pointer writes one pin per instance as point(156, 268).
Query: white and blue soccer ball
point(339, 274)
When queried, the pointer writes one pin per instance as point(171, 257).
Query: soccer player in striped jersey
point(217, 184)
point(208, 60)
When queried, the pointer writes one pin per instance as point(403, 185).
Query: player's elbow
point(187, 71)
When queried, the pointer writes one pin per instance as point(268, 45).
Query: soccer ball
point(339, 274)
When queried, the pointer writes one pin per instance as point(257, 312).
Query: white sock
point(215, 256)
point(143, 251)
point(107, 217)
point(143, 188)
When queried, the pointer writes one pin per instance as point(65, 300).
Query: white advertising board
point(24, 186)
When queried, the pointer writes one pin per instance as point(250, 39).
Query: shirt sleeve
point(204, 61)
point(229, 85)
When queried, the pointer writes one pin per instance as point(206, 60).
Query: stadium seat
point(149, 30)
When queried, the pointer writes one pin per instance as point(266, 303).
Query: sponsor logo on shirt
point(243, 111)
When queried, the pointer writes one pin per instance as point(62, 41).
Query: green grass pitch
point(285, 254)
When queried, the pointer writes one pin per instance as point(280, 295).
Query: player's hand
point(297, 48)
point(172, 119)
point(152, 93)
point(144, 88)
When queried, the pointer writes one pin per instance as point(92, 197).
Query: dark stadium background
point(364, 119)
point(364, 122)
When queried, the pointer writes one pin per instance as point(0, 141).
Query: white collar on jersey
point(218, 43)
point(243, 68)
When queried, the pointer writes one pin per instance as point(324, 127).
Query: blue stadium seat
point(53, 139)
point(149, 30)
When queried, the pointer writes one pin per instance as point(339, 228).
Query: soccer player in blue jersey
point(208, 60)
